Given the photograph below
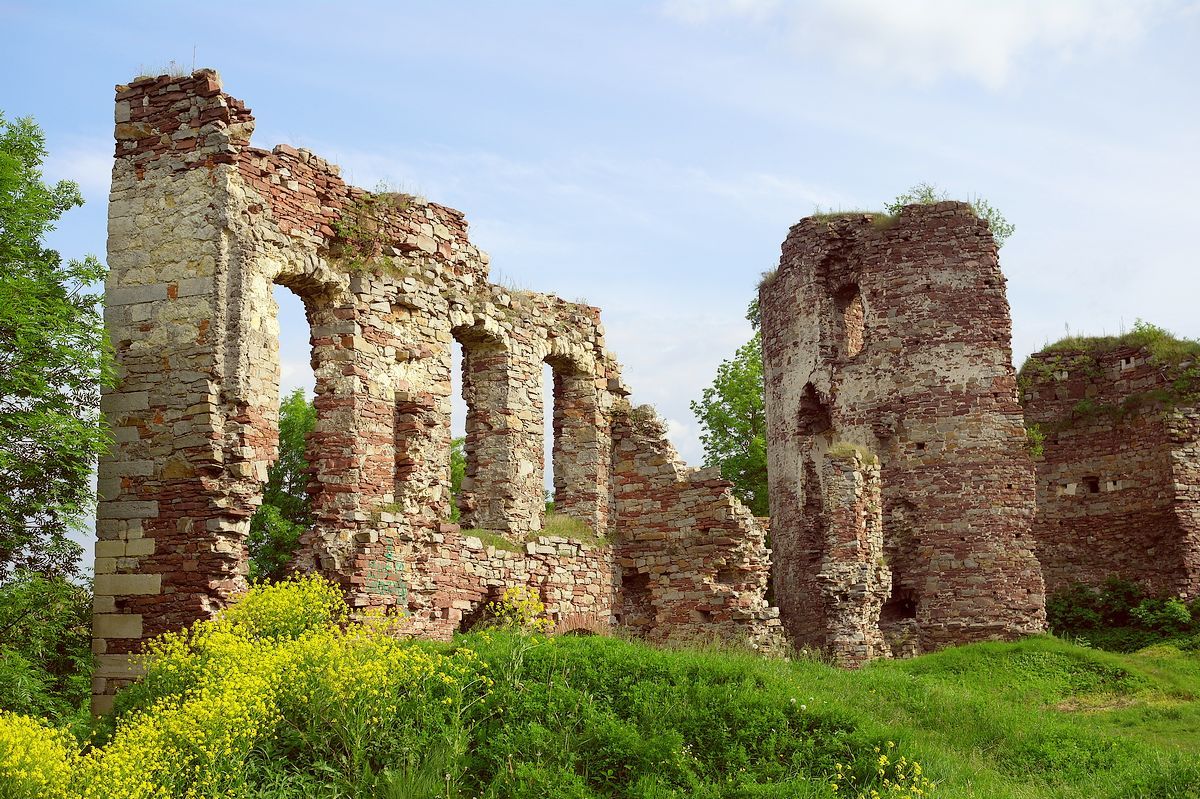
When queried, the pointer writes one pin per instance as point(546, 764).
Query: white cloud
point(88, 163)
point(927, 40)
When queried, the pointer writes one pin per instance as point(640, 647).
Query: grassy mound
point(281, 697)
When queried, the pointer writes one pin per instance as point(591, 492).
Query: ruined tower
point(889, 338)
point(202, 226)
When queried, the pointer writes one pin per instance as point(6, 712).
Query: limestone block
point(117, 625)
point(128, 584)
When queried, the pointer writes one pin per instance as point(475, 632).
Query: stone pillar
point(582, 448)
point(853, 578)
point(179, 485)
point(502, 490)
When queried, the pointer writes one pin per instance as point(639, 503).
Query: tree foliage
point(45, 646)
point(458, 471)
point(286, 509)
point(53, 362)
point(734, 423)
point(927, 193)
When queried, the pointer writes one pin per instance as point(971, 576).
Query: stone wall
point(1118, 481)
point(891, 335)
point(201, 227)
point(693, 560)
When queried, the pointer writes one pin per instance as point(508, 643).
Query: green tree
point(45, 646)
point(458, 471)
point(286, 510)
point(927, 193)
point(734, 422)
point(53, 362)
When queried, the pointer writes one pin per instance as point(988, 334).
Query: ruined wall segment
point(175, 489)
point(1118, 479)
point(693, 560)
point(892, 335)
point(202, 227)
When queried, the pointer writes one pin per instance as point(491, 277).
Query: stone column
point(502, 490)
point(853, 577)
point(178, 487)
point(582, 448)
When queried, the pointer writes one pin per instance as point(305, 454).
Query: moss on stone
point(847, 450)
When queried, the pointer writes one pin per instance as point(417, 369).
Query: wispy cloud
point(88, 162)
point(928, 40)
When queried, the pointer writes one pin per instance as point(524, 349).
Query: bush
point(1166, 616)
point(45, 646)
point(1119, 616)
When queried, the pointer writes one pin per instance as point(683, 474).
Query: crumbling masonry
point(1118, 482)
point(201, 226)
point(887, 340)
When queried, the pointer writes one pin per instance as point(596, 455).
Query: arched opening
point(900, 545)
point(813, 417)
point(636, 605)
point(550, 424)
point(458, 431)
point(851, 317)
point(285, 512)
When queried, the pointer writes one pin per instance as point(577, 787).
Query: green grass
point(1039, 718)
point(1165, 348)
point(1179, 359)
point(563, 526)
point(313, 708)
point(490, 538)
point(846, 449)
point(557, 524)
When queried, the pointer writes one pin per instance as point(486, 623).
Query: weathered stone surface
point(1119, 479)
point(893, 336)
point(201, 227)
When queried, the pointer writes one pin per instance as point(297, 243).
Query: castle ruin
point(201, 227)
point(1118, 478)
point(901, 491)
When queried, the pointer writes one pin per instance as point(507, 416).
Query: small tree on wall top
point(927, 194)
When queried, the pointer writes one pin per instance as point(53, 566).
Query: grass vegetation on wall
point(1177, 357)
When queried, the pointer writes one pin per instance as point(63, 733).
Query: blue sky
point(650, 157)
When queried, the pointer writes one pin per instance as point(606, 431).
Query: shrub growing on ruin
point(927, 194)
point(1120, 617)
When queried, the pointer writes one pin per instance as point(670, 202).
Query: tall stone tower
point(891, 337)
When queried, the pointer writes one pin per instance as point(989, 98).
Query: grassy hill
point(279, 699)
